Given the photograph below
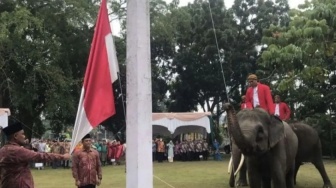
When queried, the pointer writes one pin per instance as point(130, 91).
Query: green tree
point(41, 61)
point(197, 60)
point(252, 17)
point(302, 56)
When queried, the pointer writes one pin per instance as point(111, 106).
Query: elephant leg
point(318, 163)
point(236, 154)
point(236, 157)
point(254, 178)
point(242, 181)
point(266, 182)
point(278, 176)
point(232, 179)
point(297, 166)
point(254, 174)
point(290, 177)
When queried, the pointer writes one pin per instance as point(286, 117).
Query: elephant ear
point(276, 131)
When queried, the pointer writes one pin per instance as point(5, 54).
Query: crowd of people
point(110, 152)
point(187, 150)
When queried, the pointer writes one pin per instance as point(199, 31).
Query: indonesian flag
point(96, 102)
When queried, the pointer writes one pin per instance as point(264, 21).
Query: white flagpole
point(139, 163)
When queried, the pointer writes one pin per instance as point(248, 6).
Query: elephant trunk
point(234, 129)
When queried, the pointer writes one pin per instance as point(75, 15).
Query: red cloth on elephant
point(264, 96)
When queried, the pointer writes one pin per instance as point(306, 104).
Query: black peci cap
point(12, 128)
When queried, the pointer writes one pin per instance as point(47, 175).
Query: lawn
point(208, 174)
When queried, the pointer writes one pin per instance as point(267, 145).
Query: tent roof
point(4, 113)
point(4, 110)
point(183, 116)
point(184, 122)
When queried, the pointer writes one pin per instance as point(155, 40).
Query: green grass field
point(204, 174)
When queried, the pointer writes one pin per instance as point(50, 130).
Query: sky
point(228, 3)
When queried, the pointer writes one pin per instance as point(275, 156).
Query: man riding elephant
point(259, 95)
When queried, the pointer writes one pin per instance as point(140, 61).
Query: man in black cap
point(15, 159)
point(86, 166)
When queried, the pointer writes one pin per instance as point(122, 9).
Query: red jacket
point(245, 105)
point(265, 98)
point(283, 110)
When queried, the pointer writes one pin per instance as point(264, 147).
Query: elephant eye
point(260, 129)
point(260, 134)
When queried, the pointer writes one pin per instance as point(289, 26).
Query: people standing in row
point(170, 147)
point(154, 150)
point(191, 150)
point(56, 149)
point(103, 152)
point(160, 150)
point(217, 152)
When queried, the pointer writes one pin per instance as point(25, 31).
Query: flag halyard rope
point(221, 61)
point(221, 58)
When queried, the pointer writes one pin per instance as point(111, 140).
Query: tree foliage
point(40, 61)
point(303, 57)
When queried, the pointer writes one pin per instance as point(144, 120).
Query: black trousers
point(88, 186)
point(160, 156)
point(154, 156)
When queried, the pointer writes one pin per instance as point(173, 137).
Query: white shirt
point(277, 109)
point(41, 147)
point(255, 97)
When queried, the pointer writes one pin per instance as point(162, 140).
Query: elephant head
point(254, 131)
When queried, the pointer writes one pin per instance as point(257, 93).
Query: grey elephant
point(309, 150)
point(268, 144)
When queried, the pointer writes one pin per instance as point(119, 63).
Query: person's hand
point(77, 183)
point(66, 156)
point(98, 182)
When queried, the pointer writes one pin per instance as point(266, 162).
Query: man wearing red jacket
point(259, 95)
point(281, 109)
point(244, 105)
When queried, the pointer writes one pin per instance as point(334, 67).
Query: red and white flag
point(96, 102)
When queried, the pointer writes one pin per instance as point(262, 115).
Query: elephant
point(268, 144)
point(309, 150)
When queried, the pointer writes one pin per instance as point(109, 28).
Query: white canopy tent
point(173, 124)
point(4, 113)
